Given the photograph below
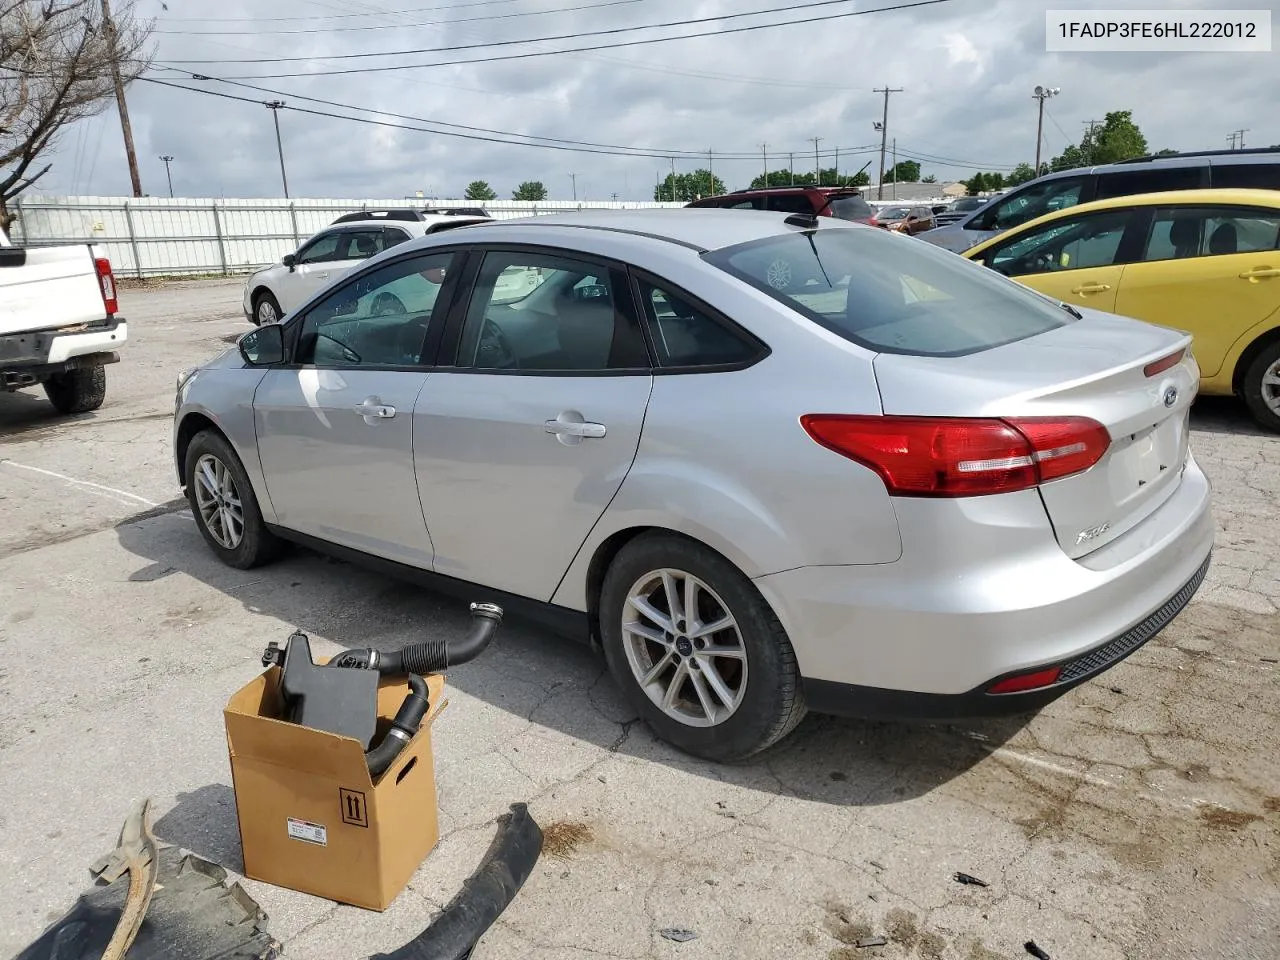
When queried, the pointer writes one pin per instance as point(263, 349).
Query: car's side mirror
point(264, 346)
point(289, 260)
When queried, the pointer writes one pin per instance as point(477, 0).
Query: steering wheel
point(494, 351)
point(386, 305)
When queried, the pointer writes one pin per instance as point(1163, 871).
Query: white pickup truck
point(59, 323)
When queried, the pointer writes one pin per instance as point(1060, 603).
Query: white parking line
point(1006, 753)
point(120, 496)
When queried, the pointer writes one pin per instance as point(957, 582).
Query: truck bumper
point(32, 356)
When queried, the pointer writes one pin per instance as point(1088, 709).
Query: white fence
point(154, 236)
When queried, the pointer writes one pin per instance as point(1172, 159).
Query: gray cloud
point(968, 68)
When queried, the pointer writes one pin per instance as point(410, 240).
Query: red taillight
point(962, 457)
point(1164, 363)
point(1027, 681)
point(107, 282)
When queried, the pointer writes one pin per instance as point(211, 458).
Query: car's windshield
point(890, 293)
point(892, 213)
point(852, 207)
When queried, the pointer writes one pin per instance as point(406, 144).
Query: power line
point(392, 26)
point(341, 16)
point(608, 31)
point(618, 152)
point(621, 149)
point(584, 49)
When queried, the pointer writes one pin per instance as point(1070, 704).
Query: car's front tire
point(1260, 387)
point(224, 505)
point(696, 649)
point(266, 308)
point(77, 391)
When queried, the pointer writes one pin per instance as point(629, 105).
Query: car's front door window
point(381, 318)
point(1075, 243)
point(548, 313)
point(322, 249)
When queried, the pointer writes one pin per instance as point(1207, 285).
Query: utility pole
point(791, 168)
point(817, 167)
point(1042, 94)
point(168, 176)
point(574, 178)
point(1092, 125)
point(673, 179)
point(764, 155)
point(1237, 135)
point(837, 166)
point(711, 175)
point(884, 133)
point(275, 106)
point(125, 126)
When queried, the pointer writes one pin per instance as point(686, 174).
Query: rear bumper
point(31, 356)
point(826, 696)
point(983, 590)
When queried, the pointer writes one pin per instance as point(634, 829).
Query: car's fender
point(1224, 381)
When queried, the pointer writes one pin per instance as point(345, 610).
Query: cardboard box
point(311, 819)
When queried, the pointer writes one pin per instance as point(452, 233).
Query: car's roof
point(706, 228)
point(1164, 198)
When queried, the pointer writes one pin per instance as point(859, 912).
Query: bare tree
point(57, 65)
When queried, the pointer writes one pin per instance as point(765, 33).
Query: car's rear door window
point(685, 335)
point(891, 293)
point(1246, 176)
point(1126, 183)
point(1179, 232)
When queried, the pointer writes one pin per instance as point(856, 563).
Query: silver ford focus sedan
point(767, 463)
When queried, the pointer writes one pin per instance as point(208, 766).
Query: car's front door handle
point(1091, 288)
point(371, 408)
point(572, 429)
point(1257, 273)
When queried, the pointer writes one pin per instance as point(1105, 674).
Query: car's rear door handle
point(1257, 273)
point(1091, 288)
point(371, 408)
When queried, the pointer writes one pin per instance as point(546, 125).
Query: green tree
point(689, 186)
point(929, 179)
point(530, 190)
point(1020, 174)
point(906, 171)
point(1117, 139)
point(982, 182)
point(480, 190)
point(1166, 152)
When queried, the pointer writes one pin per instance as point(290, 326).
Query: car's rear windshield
point(852, 207)
point(968, 203)
point(891, 293)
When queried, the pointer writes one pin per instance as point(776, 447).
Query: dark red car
point(846, 203)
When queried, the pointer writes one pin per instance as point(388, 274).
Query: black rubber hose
point(435, 656)
point(406, 723)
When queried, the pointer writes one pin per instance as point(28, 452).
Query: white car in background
point(274, 291)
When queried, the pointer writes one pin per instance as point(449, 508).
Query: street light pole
point(275, 106)
point(884, 133)
point(168, 176)
point(1042, 94)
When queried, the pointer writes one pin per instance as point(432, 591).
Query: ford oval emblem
point(1171, 396)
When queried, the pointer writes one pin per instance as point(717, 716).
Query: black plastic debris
point(870, 942)
point(506, 866)
point(970, 880)
point(678, 934)
point(192, 914)
point(1032, 948)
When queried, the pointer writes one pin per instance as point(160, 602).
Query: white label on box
point(308, 832)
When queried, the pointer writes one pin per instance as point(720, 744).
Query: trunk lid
point(1093, 368)
point(47, 287)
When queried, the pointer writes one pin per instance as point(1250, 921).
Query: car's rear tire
point(224, 505)
point(266, 308)
point(745, 671)
point(77, 391)
point(1260, 387)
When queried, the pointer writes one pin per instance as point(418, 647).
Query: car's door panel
point(520, 447)
point(312, 269)
point(1190, 280)
point(335, 428)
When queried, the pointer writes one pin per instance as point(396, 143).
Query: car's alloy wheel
point(1270, 387)
point(684, 647)
point(267, 311)
point(218, 501)
point(1261, 386)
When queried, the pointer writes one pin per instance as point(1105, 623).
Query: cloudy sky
point(967, 69)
